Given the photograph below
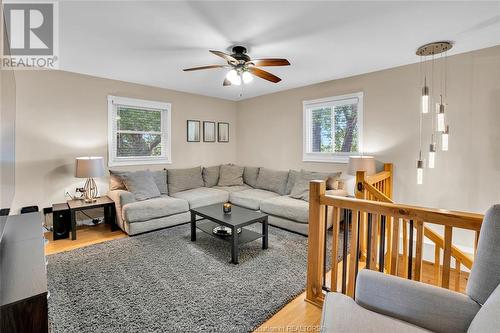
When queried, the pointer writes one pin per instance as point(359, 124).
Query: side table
point(104, 202)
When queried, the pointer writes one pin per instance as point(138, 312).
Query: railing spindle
point(437, 263)
point(405, 247)
point(335, 249)
point(395, 246)
point(381, 253)
point(418, 250)
point(347, 214)
point(457, 274)
point(445, 279)
point(410, 251)
point(354, 252)
point(369, 241)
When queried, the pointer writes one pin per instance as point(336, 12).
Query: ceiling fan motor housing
point(239, 53)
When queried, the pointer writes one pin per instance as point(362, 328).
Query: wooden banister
point(382, 231)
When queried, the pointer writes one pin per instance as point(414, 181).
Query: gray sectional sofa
point(148, 200)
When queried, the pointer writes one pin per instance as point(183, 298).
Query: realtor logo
point(32, 35)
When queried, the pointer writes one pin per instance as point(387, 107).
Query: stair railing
point(377, 215)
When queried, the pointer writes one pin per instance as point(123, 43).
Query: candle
point(226, 207)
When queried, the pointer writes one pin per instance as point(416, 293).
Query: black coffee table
point(240, 217)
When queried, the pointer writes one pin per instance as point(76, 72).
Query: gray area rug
point(163, 282)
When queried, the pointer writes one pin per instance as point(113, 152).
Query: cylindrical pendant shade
point(88, 167)
point(361, 163)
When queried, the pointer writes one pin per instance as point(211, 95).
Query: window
point(138, 131)
point(333, 128)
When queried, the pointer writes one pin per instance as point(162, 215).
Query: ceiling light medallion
point(429, 97)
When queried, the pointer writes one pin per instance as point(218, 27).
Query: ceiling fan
point(243, 68)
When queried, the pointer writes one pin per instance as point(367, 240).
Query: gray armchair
point(386, 303)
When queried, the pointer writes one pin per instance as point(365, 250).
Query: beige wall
point(62, 115)
point(465, 178)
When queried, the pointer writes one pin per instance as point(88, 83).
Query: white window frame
point(335, 157)
point(166, 131)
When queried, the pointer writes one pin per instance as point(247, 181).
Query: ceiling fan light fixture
point(247, 77)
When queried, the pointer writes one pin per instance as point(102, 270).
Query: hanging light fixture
point(440, 116)
point(420, 169)
point(425, 97)
point(432, 155)
point(444, 139)
point(438, 121)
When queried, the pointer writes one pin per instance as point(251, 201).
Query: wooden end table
point(104, 202)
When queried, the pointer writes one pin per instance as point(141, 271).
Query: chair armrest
point(430, 307)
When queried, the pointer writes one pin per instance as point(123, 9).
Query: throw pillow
point(160, 178)
point(272, 180)
point(250, 175)
point(230, 175)
point(211, 175)
point(116, 180)
point(141, 184)
point(184, 179)
point(292, 176)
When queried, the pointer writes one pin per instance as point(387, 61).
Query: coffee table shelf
point(245, 236)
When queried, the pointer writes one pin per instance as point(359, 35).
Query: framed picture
point(209, 131)
point(193, 131)
point(223, 132)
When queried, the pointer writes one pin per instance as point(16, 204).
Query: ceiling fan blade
point(226, 83)
point(264, 75)
point(269, 62)
point(203, 67)
point(226, 57)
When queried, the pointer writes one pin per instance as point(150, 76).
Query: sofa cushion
point(272, 180)
point(233, 188)
point(184, 179)
point(292, 176)
point(160, 178)
point(342, 315)
point(141, 184)
point(250, 175)
point(202, 196)
point(250, 199)
point(211, 175)
point(230, 175)
point(287, 207)
point(140, 211)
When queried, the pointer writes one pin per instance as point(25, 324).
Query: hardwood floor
point(85, 236)
point(296, 316)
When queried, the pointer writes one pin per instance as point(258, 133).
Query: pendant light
point(444, 139)
point(420, 169)
point(428, 97)
point(425, 97)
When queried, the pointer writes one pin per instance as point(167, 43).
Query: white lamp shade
point(88, 167)
point(361, 163)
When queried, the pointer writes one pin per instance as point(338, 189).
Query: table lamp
point(89, 167)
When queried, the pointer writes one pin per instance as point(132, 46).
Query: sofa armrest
point(430, 307)
point(121, 197)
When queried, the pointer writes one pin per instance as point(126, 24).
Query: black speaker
point(61, 221)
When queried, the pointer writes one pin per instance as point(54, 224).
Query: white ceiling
point(151, 42)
